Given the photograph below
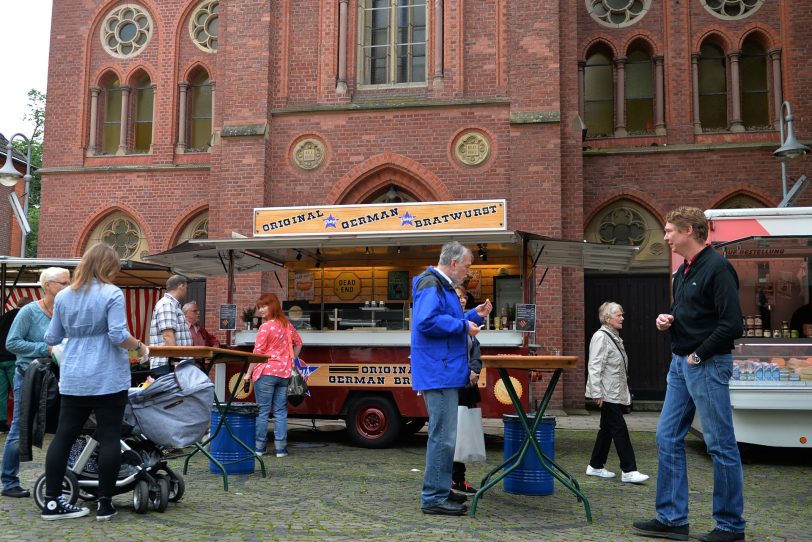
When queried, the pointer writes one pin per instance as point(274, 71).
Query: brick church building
point(173, 119)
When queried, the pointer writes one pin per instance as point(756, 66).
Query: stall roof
point(210, 257)
point(26, 271)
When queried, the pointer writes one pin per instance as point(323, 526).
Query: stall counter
point(383, 337)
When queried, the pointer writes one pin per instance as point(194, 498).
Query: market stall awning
point(210, 257)
point(26, 271)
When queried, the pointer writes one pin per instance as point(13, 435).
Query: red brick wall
point(282, 54)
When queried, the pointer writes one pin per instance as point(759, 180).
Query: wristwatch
point(694, 359)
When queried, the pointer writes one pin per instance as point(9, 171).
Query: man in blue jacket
point(439, 360)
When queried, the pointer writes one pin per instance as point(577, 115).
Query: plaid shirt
point(168, 315)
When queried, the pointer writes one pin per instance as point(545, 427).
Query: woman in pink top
point(278, 340)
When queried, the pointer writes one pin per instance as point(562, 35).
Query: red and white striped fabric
point(33, 292)
point(139, 303)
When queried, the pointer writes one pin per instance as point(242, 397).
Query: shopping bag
point(470, 436)
point(297, 387)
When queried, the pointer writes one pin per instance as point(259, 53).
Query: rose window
point(617, 13)
point(123, 235)
point(622, 226)
point(126, 30)
point(205, 25)
point(732, 9)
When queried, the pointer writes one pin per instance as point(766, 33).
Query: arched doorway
point(643, 292)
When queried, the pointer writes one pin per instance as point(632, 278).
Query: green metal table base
point(223, 409)
point(514, 461)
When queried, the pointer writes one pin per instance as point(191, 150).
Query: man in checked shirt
point(168, 326)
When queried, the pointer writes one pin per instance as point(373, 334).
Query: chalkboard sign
point(525, 317)
point(228, 317)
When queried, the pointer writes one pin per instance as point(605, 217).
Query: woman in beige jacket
point(607, 385)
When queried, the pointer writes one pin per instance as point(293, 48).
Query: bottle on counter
point(504, 317)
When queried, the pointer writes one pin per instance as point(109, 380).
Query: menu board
point(228, 317)
point(525, 317)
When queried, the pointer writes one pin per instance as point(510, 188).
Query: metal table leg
point(223, 409)
point(506, 467)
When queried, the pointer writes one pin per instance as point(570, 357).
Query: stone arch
point(715, 36)
point(626, 221)
point(762, 35)
point(741, 198)
point(136, 72)
point(599, 43)
point(195, 68)
point(644, 41)
point(187, 215)
point(98, 218)
point(368, 179)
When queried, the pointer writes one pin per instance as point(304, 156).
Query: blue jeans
point(442, 408)
point(11, 451)
point(272, 391)
point(704, 389)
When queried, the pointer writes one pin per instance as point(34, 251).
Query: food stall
point(771, 385)
point(345, 272)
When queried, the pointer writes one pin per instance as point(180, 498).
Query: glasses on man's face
point(63, 284)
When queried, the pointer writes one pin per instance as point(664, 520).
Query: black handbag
point(627, 409)
point(297, 387)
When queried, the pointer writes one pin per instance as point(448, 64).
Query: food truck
point(346, 271)
point(771, 385)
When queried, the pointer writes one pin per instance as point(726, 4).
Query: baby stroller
point(173, 412)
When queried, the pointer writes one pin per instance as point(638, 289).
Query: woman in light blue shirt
point(94, 376)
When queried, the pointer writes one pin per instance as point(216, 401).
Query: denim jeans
point(272, 391)
point(442, 408)
point(11, 451)
point(703, 389)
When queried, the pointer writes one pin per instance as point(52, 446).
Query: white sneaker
point(602, 473)
point(634, 477)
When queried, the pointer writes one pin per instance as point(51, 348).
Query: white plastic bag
point(470, 436)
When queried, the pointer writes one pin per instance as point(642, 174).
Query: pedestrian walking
point(607, 385)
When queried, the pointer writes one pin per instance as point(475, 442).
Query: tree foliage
point(36, 115)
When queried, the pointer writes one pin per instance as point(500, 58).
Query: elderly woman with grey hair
point(26, 339)
point(607, 385)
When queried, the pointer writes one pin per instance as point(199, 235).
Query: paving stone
point(329, 490)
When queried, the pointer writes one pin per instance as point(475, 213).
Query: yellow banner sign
point(381, 218)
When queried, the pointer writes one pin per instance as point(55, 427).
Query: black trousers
point(613, 428)
point(73, 414)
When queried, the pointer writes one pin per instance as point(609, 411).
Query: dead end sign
point(347, 286)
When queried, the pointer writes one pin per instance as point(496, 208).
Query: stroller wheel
point(159, 494)
point(141, 497)
point(70, 489)
point(176, 485)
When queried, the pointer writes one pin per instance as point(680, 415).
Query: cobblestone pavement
point(329, 490)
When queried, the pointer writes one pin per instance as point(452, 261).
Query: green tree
point(36, 115)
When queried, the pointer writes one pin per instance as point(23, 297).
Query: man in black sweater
point(704, 320)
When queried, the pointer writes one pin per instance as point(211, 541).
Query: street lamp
point(790, 149)
point(9, 177)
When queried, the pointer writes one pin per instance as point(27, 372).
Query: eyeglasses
point(59, 282)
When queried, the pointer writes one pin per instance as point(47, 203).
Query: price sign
point(228, 317)
point(525, 317)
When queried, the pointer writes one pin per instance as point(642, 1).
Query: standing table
point(208, 356)
point(556, 363)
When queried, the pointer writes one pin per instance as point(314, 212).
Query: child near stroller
point(172, 412)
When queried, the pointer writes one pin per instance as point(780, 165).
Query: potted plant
point(248, 317)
